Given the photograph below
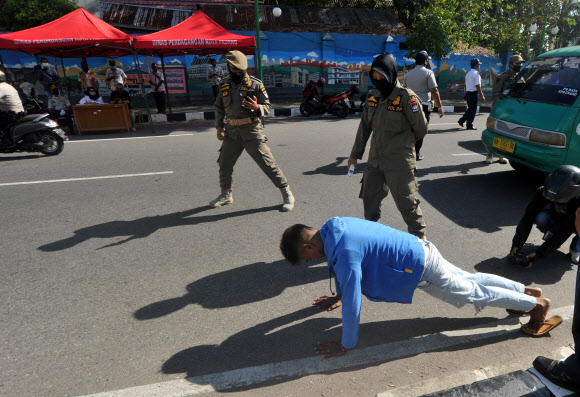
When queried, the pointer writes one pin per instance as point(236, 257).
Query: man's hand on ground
point(328, 302)
point(330, 349)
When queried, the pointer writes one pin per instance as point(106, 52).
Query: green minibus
point(536, 121)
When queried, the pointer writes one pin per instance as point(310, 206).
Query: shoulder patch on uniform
point(414, 102)
point(264, 92)
point(372, 101)
point(226, 93)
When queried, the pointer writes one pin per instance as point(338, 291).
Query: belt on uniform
point(238, 122)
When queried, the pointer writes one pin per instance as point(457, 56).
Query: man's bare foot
point(538, 316)
point(533, 291)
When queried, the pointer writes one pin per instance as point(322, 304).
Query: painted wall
point(289, 61)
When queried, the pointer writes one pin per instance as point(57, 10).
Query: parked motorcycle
point(33, 133)
point(337, 105)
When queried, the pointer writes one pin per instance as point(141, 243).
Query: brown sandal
point(537, 328)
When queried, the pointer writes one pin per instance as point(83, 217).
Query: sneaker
point(420, 157)
point(222, 199)
point(288, 204)
point(555, 372)
point(503, 160)
point(472, 128)
point(575, 256)
point(489, 158)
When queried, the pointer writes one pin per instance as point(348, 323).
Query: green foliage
point(25, 14)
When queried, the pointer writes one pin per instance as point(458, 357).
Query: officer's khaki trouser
point(247, 137)
point(376, 186)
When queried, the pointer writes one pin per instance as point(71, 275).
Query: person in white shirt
point(215, 74)
point(421, 81)
point(115, 75)
point(472, 88)
point(158, 88)
point(59, 106)
point(92, 98)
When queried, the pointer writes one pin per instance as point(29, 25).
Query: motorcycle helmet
point(563, 184)
point(2, 77)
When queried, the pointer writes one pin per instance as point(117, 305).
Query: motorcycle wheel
point(342, 110)
point(303, 110)
point(52, 144)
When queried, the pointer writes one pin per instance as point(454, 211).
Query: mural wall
point(289, 61)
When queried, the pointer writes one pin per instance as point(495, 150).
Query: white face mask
point(45, 65)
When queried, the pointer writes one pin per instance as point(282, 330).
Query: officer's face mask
point(517, 68)
point(55, 92)
point(236, 75)
point(45, 65)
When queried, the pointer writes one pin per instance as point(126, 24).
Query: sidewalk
point(279, 109)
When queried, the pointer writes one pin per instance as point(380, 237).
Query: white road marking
point(315, 365)
point(86, 179)
point(129, 138)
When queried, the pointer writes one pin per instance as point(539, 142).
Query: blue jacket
point(372, 259)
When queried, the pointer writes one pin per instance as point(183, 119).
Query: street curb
point(281, 112)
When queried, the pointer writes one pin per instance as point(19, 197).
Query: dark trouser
point(160, 101)
point(419, 143)
point(55, 115)
point(469, 114)
point(376, 186)
point(250, 138)
point(572, 363)
point(215, 89)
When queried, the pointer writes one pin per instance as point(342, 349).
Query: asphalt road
point(117, 274)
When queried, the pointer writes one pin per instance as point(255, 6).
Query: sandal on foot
point(519, 312)
point(537, 328)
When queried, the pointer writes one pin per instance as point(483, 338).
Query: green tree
point(24, 14)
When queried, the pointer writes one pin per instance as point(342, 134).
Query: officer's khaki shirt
point(501, 83)
point(230, 97)
point(397, 122)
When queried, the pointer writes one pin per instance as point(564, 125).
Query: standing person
point(393, 114)
point(565, 373)
point(472, 88)
point(215, 74)
point(501, 83)
point(59, 106)
point(421, 81)
point(243, 101)
point(114, 75)
point(158, 88)
point(88, 78)
point(47, 77)
point(387, 265)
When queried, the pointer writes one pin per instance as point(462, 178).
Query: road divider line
point(356, 358)
point(86, 179)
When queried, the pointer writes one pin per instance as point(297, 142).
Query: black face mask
point(517, 68)
point(93, 95)
point(237, 79)
point(386, 65)
point(85, 69)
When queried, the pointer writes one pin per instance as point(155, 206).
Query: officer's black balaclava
point(235, 78)
point(386, 65)
point(94, 95)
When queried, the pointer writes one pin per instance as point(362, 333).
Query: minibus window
point(554, 80)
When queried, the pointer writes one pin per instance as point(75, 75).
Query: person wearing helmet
point(242, 101)
point(10, 107)
point(394, 116)
point(555, 209)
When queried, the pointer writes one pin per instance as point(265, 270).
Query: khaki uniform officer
point(394, 115)
point(243, 100)
point(503, 81)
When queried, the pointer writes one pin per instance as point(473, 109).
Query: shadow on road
point(294, 336)
point(337, 167)
point(144, 227)
point(462, 169)
point(486, 202)
point(246, 284)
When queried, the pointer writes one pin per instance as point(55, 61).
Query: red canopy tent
point(198, 34)
point(77, 34)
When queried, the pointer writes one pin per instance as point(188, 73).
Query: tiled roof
point(127, 16)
